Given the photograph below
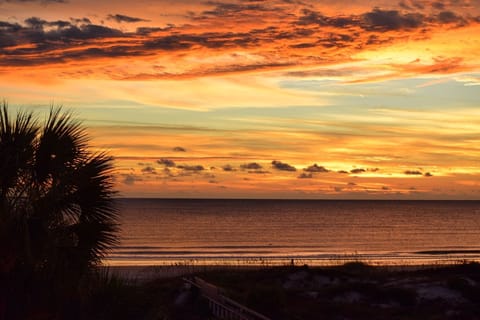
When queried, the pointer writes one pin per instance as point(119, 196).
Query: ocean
point(313, 232)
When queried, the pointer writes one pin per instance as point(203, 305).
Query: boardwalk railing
point(221, 306)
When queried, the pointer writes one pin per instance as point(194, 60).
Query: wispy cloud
point(123, 18)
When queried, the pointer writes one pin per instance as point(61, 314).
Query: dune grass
point(351, 291)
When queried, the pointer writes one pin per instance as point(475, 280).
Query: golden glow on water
point(272, 232)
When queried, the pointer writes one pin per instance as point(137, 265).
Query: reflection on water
point(314, 232)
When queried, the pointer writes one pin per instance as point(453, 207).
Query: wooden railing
point(221, 306)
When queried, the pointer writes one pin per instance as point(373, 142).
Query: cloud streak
point(120, 18)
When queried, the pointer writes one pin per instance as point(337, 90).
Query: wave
point(447, 252)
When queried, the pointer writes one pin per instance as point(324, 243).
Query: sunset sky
point(260, 99)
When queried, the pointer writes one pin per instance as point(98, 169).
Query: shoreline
point(162, 271)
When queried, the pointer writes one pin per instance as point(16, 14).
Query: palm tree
point(57, 213)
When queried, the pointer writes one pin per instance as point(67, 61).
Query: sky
point(260, 99)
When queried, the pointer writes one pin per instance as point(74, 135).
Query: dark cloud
point(413, 172)
point(312, 17)
point(228, 168)
point(194, 168)
point(123, 18)
point(66, 34)
point(207, 71)
point(282, 166)
point(38, 24)
point(224, 9)
point(35, 22)
point(80, 21)
point(216, 40)
point(428, 174)
point(342, 22)
point(179, 149)
point(336, 40)
point(305, 176)
point(209, 176)
point(411, 4)
point(342, 171)
point(404, 5)
point(166, 162)
point(91, 31)
point(59, 24)
point(352, 184)
point(375, 20)
point(41, 42)
point(447, 17)
point(251, 166)
point(304, 45)
point(259, 172)
point(172, 42)
point(49, 38)
point(386, 20)
point(438, 5)
point(316, 168)
point(418, 4)
point(130, 179)
point(149, 169)
point(385, 188)
point(147, 30)
point(357, 170)
point(59, 35)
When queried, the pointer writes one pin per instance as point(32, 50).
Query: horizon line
point(290, 199)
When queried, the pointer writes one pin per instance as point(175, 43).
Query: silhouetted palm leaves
point(57, 214)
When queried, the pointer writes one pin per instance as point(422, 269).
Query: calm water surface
point(156, 231)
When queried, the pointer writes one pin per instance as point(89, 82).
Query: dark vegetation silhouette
point(57, 214)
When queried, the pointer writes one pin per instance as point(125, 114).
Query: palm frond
point(68, 212)
point(62, 143)
point(17, 139)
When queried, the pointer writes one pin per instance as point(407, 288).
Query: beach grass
point(354, 290)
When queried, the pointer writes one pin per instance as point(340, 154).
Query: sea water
point(314, 232)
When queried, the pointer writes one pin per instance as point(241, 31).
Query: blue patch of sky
point(404, 93)
point(346, 100)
